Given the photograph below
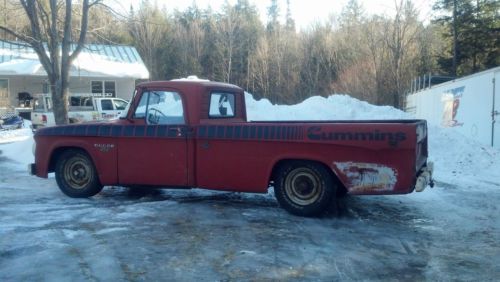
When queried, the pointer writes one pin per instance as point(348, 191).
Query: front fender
point(103, 153)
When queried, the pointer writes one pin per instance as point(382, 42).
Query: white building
point(98, 69)
point(470, 105)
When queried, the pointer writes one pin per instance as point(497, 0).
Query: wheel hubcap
point(303, 186)
point(77, 172)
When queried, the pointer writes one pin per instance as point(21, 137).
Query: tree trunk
point(60, 101)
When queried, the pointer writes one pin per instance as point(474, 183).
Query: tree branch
point(45, 16)
point(83, 29)
point(27, 39)
point(36, 42)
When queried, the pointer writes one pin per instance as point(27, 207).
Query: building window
point(107, 88)
point(45, 88)
point(4, 93)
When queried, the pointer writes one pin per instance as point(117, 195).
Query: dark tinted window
point(107, 105)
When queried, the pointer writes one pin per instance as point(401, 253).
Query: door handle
point(176, 130)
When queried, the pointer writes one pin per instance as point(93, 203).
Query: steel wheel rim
point(77, 172)
point(303, 186)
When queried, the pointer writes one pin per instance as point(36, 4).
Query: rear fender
point(277, 163)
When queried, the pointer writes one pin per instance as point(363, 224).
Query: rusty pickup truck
point(181, 134)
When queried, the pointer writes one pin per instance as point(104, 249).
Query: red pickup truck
point(195, 134)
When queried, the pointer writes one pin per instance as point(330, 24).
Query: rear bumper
point(424, 177)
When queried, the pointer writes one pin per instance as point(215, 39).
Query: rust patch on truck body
point(367, 177)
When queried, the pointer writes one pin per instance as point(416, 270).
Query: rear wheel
point(304, 188)
point(76, 174)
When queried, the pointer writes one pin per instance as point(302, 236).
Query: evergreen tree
point(472, 29)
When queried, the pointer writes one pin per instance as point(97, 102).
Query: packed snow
point(450, 232)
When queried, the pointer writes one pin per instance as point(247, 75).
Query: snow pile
point(9, 136)
point(335, 107)
point(190, 78)
point(17, 145)
point(455, 156)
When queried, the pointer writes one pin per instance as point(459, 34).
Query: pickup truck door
point(110, 108)
point(153, 146)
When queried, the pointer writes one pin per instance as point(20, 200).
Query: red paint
point(242, 164)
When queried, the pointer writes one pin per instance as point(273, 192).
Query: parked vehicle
point(196, 134)
point(82, 107)
point(11, 122)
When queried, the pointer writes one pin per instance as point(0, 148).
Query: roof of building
point(17, 58)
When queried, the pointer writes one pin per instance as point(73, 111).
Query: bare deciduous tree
point(228, 27)
point(51, 37)
point(148, 28)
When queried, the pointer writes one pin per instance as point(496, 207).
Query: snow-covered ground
point(451, 232)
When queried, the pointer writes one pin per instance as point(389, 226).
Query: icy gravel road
point(194, 235)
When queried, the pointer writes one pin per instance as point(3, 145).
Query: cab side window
point(161, 107)
point(119, 104)
point(221, 105)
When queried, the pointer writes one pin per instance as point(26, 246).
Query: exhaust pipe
point(425, 178)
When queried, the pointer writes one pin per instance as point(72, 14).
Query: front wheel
point(76, 175)
point(304, 188)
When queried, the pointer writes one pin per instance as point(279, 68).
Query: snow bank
point(16, 145)
point(335, 107)
point(455, 156)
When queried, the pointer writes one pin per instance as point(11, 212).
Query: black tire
point(76, 175)
point(304, 188)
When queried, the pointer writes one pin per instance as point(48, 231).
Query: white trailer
point(470, 105)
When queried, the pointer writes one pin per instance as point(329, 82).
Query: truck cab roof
point(196, 96)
